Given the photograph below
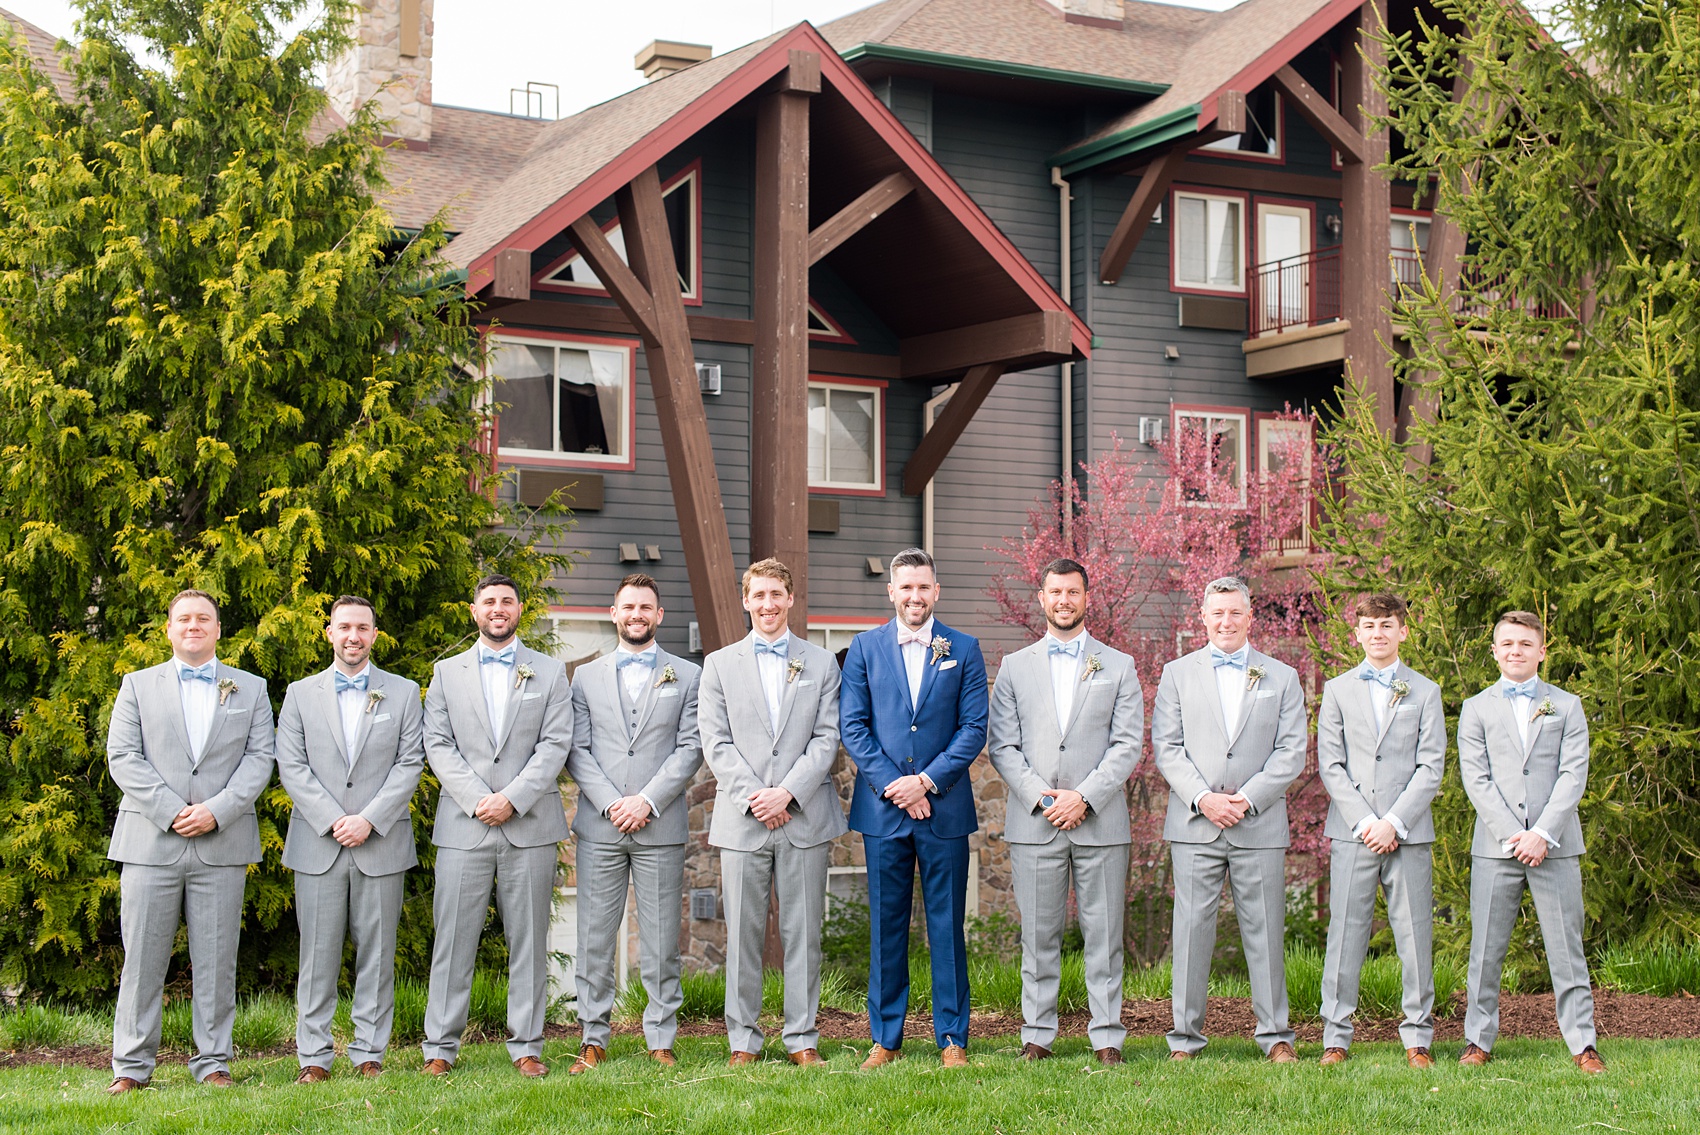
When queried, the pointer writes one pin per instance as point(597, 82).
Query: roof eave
point(889, 53)
point(1123, 144)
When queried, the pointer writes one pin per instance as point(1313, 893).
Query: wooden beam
point(1365, 205)
point(857, 215)
point(678, 408)
point(1136, 218)
point(1041, 335)
point(937, 442)
point(1252, 178)
point(779, 379)
point(1339, 133)
point(622, 283)
point(801, 75)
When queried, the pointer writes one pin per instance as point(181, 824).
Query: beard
point(1065, 622)
point(627, 638)
point(495, 636)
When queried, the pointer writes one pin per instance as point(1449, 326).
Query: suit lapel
point(1082, 687)
point(363, 723)
point(746, 655)
point(788, 685)
point(651, 688)
point(220, 712)
point(1386, 696)
point(332, 710)
point(170, 695)
point(516, 692)
point(1535, 722)
point(929, 668)
point(474, 681)
point(1248, 696)
point(1508, 720)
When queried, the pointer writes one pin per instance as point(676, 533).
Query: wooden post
point(1366, 202)
point(779, 395)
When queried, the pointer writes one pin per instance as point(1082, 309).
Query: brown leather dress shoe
point(1418, 1058)
point(739, 1059)
point(312, 1074)
point(437, 1068)
point(805, 1058)
point(1035, 1052)
point(531, 1068)
point(218, 1080)
point(589, 1056)
point(880, 1057)
point(1475, 1055)
point(1333, 1056)
point(1589, 1061)
point(125, 1084)
point(1179, 1054)
point(1109, 1057)
point(953, 1056)
point(1283, 1053)
point(663, 1056)
point(370, 1069)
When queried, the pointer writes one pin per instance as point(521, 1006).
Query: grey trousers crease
point(798, 876)
point(658, 876)
point(1496, 896)
point(153, 900)
point(344, 903)
point(1407, 877)
point(1041, 872)
point(1258, 878)
point(524, 882)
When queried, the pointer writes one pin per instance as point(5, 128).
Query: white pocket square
point(1405, 709)
point(1101, 682)
point(1265, 693)
point(233, 710)
point(947, 665)
point(805, 681)
point(667, 693)
point(380, 717)
point(528, 697)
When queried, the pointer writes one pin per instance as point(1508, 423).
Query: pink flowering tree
point(1151, 531)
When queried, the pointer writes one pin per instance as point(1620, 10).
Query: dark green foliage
point(220, 366)
point(1566, 444)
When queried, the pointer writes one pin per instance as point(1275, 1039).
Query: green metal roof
point(1125, 143)
point(891, 54)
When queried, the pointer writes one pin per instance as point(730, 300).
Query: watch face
point(1047, 801)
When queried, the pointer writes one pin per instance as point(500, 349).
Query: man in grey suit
point(1523, 750)
point(1381, 750)
point(350, 748)
point(1067, 725)
point(190, 746)
point(769, 714)
point(635, 749)
point(1228, 731)
point(498, 727)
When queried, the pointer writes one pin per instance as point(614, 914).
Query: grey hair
point(1226, 584)
point(913, 557)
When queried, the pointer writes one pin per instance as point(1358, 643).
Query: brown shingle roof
point(472, 152)
point(42, 46)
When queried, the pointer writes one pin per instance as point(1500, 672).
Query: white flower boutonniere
point(1545, 709)
point(1254, 675)
point(1093, 665)
point(941, 649)
point(1401, 689)
point(667, 675)
point(792, 669)
point(373, 697)
point(228, 686)
point(523, 674)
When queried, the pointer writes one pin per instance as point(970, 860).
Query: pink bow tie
point(905, 637)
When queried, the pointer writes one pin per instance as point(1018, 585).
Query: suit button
point(1378, 758)
point(776, 752)
point(1525, 772)
point(631, 752)
point(1062, 748)
point(497, 761)
point(194, 772)
point(914, 728)
point(350, 784)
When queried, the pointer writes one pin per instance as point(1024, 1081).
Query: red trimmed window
point(1208, 241)
point(565, 399)
point(681, 198)
point(1210, 446)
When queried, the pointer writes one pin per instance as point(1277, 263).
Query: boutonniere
point(523, 674)
point(1401, 689)
point(941, 649)
point(667, 675)
point(228, 686)
point(373, 697)
point(1254, 675)
point(792, 669)
point(1545, 709)
point(1093, 665)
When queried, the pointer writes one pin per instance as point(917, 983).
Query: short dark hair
point(1381, 605)
point(639, 579)
point(1062, 565)
point(1521, 619)
point(190, 593)
point(914, 558)
point(353, 601)
point(494, 579)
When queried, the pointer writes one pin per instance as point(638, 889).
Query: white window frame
point(1229, 147)
point(1268, 429)
point(1175, 236)
point(624, 457)
point(688, 180)
point(835, 634)
point(876, 487)
point(1220, 413)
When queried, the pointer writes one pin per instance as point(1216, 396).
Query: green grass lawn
point(1530, 1087)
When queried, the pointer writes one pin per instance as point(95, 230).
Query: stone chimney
point(390, 61)
point(1102, 12)
point(662, 57)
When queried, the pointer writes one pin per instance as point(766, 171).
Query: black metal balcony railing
point(1483, 296)
point(1299, 291)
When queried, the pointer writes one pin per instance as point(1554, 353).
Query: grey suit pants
point(798, 876)
point(1496, 896)
point(524, 882)
point(152, 901)
point(1258, 878)
point(330, 907)
point(658, 876)
point(1041, 872)
point(1407, 876)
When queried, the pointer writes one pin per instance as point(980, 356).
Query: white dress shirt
point(1379, 696)
point(200, 703)
point(915, 659)
point(1065, 675)
point(352, 703)
point(1231, 688)
point(1523, 709)
point(636, 675)
point(772, 669)
point(498, 682)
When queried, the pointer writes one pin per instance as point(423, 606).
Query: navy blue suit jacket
point(887, 739)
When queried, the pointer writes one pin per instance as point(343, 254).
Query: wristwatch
point(1047, 800)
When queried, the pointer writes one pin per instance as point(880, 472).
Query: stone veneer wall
point(375, 69)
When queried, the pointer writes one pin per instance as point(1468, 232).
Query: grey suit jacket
point(609, 760)
point(389, 754)
point(1094, 756)
point(739, 744)
point(1514, 789)
point(1198, 751)
point(461, 746)
point(147, 751)
point(1370, 771)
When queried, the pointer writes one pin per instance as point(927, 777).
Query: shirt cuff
point(1251, 809)
point(653, 810)
point(1542, 832)
point(1398, 826)
point(1196, 799)
point(1363, 826)
point(928, 781)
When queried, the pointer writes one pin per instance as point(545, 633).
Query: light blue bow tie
point(1236, 659)
point(502, 657)
point(1071, 649)
point(1520, 689)
point(640, 658)
point(779, 649)
point(1379, 677)
point(344, 682)
point(201, 673)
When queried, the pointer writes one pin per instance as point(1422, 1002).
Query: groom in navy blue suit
point(912, 716)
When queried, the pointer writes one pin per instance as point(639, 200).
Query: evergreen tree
point(1565, 476)
point(220, 366)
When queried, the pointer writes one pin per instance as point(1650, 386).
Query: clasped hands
point(494, 810)
point(630, 813)
point(1528, 848)
point(910, 794)
point(1380, 837)
point(1068, 811)
point(193, 820)
point(770, 805)
point(1223, 810)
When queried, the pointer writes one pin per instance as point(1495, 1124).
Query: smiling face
point(1380, 637)
point(1227, 619)
point(192, 626)
point(1519, 651)
point(914, 592)
point(496, 610)
point(636, 613)
point(1063, 596)
point(352, 631)
point(768, 601)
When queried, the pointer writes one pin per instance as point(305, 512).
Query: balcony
point(1295, 319)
